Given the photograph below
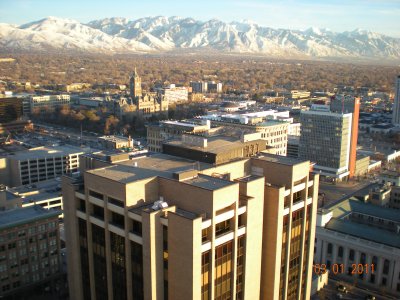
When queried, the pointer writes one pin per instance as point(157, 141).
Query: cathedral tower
point(135, 85)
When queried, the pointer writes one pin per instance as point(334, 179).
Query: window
point(116, 202)
point(330, 248)
point(386, 265)
point(222, 227)
point(95, 194)
point(137, 227)
point(351, 254)
point(340, 252)
point(372, 278)
point(223, 269)
point(98, 212)
point(204, 234)
point(82, 205)
point(117, 219)
point(205, 286)
point(362, 258)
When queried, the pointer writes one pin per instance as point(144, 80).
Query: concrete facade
point(29, 250)
point(39, 164)
point(216, 232)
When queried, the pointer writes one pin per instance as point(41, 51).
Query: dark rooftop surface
point(352, 205)
point(215, 144)
point(364, 231)
point(19, 216)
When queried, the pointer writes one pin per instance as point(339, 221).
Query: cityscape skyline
point(375, 16)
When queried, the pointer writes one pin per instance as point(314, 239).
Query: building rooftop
point(114, 138)
point(325, 113)
point(7, 195)
point(366, 232)
point(146, 167)
point(269, 123)
point(389, 173)
point(248, 178)
point(209, 182)
point(186, 214)
point(215, 144)
point(284, 160)
point(38, 191)
point(20, 216)
point(42, 152)
point(352, 205)
point(108, 156)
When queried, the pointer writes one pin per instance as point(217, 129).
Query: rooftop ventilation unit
point(160, 204)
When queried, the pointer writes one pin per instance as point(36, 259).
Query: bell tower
point(135, 85)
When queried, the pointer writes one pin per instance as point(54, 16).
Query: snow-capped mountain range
point(155, 34)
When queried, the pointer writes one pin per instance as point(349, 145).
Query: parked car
point(342, 288)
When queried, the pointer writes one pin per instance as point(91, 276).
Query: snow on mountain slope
point(55, 33)
point(120, 35)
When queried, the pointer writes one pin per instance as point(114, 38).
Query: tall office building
point(348, 104)
point(199, 86)
point(396, 104)
point(10, 109)
point(164, 227)
point(326, 140)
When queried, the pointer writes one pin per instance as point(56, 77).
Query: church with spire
point(146, 103)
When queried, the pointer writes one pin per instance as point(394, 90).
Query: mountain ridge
point(163, 34)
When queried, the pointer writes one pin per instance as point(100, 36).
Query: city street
point(330, 292)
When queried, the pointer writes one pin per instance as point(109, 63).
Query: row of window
point(351, 257)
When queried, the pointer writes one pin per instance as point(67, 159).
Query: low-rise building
point(388, 176)
point(29, 250)
point(115, 142)
point(164, 131)
point(215, 150)
point(175, 94)
point(380, 195)
point(362, 164)
point(274, 132)
point(46, 194)
point(360, 242)
point(299, 94)
point(39, 103)
point(39, 164)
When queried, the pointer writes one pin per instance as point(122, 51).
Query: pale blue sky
point(381, 16)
